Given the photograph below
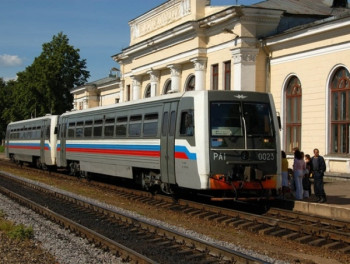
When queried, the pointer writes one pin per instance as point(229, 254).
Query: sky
point(98, 28)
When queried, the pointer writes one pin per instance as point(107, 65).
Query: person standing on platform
point(318, 167)
point(299, 171)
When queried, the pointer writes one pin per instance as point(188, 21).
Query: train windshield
point(241, 125)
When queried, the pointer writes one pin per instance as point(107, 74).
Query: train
point(223, 144)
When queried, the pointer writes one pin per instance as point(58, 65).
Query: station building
point(297, 50)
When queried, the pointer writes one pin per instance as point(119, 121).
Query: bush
point(2, 149)
point(15, 231)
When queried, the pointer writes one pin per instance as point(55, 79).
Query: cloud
point(10, 60)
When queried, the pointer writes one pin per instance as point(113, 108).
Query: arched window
point(167, 87)
point(148, 91)
point(190, 84)
point(293, 114)
point(340, 111)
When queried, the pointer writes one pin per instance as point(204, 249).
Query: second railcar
point(211, 141)
point(33, 141)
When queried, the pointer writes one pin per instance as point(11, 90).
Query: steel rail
point(203, 247)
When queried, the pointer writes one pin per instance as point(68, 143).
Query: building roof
point(302, 7)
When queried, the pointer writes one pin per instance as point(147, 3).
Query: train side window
point(79, 131)
point(165, 124)
point(47, 136)
point(71, 130)
point(172, 123)
point(109, 127)
point(135, 125)
point(150, 125)
point(88, 129)
point(187, 123)
point(98, 128)
point(121, 126)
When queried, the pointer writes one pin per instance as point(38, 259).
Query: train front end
point(244, 145)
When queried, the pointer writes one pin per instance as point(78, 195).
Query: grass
point(15, 231)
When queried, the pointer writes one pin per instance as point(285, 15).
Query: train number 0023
point(266, 156)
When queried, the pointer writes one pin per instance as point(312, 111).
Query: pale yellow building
point(297, 50)
point(97, 93)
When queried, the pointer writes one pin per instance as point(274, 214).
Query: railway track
point(307, 229)
point(133, 239)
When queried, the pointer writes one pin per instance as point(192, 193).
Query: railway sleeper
point(333, 245)
point(318, 242)
point(345, 249)
point(304, 239)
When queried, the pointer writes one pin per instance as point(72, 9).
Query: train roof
point(48, 116)
point(159, 98)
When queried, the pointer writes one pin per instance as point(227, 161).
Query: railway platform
point(337, 205)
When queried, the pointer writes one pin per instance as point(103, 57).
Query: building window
point(340, 111)
point(215, 77)
point(167, 87)
point(148, 91)
point(293, 115)
point(128, 92)
point(227, 76)
point(191, 82)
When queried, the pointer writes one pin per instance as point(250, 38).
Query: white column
point(154, 76)
point(244, 69)
point(200, 66)
point(175, 71)
point(136, 87)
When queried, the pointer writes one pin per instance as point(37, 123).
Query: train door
point(167, 143)
point(63, 137)
point(42, 140)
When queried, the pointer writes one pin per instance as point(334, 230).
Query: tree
point(44, 87)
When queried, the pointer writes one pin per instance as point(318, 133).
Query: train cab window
point(150, 125)
point(98, 128)
point(135, 125)
point(225, 119)
point(187, 123)
point(109, 127)
point(120, 129)
point(71, 130)
point(88, 129)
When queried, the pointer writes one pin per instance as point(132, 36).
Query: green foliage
point(15, 231)
point(21, 232)
point(2, 149)
point(43, 87)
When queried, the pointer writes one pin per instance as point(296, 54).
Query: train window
point(172, 123)
point(150, 125)
point(88, 129)
point(121, 126)
point(225, 119)
point(135, 125)
point(98, 128)
point(109, 127)
point(48, 128)
point(187, 123)
point(165, 124)
point(71, 130)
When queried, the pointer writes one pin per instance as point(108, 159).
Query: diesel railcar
point(211, 141)
point(33, 141)
point(220, 143)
